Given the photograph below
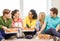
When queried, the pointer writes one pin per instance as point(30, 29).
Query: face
point(51, 14)
point(30, 15)
point(40, 16)
point(8, 15)
point(16, 15)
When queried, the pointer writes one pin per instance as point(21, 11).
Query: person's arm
point(44, 25)
point(4, 28)
point(57, 28)
point(10, 23)
point(37, 25)
point(24, 23)
point(1, 26)
point(42, 28)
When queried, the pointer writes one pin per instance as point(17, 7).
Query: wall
point(56, 3)
point(9, 4)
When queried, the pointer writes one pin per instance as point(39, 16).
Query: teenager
point(5, 24)
point(51, 24)
point(17, 22)
point(30, 21)
point(40, 21)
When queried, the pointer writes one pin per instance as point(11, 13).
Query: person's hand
point(5, 28)
point(39, 32)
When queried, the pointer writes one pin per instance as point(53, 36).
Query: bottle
point(19, 34)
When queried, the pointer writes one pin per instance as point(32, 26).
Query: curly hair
point(34, 13)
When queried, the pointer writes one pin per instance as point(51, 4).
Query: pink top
point(17, 23)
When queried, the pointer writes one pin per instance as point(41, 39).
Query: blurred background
point(25, 5)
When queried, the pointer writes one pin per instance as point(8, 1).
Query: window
point(25, 6)
point(38, 5)
point(9, 4)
